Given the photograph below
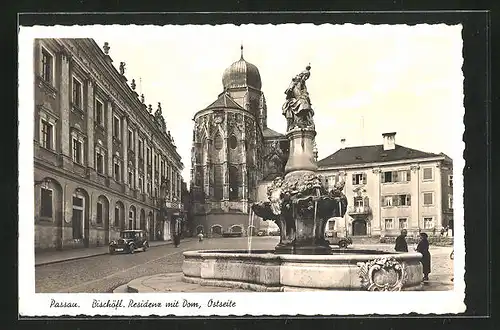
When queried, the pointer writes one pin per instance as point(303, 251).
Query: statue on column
point(297, 107)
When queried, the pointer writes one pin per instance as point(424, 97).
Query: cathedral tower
point(227, 153)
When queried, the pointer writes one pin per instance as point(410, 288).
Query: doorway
point(359, 228)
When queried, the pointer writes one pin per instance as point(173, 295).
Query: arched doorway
point(131, 217)
point(102, 216)
point(251, 231)
point(49, 206)
point(142, 223)
point(80, 216)
point(216, 230)
point(236, 229)
point(150, 227)
point(359, 227)
point(119, 216)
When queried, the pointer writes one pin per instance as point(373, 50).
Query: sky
point(365, 79)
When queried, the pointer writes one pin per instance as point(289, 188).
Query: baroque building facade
point(233, 153)
point(102, 157)
point(389, 188)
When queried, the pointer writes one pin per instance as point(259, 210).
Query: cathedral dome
point(241, 74)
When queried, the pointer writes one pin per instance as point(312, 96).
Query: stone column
point(375, 204)
point(244, 184)
point(125, 149)
point(438, 198)
point(145, 165)
point(414, 222)
point(64, 99)
point(153, 170)
point(225, 164)
point(136, 160)
point(90, 124)
point(109, 130)
point(301, 157)
point(170, 176)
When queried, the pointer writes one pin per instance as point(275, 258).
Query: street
point(102, 274)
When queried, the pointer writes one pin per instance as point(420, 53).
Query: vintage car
point(342, 242)
point(129, 241)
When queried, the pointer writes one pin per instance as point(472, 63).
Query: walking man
point(401, 245)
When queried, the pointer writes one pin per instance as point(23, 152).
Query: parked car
point(342, 242)
point(129, 241)
point(261, 233)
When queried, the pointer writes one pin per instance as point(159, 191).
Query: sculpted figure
point(275, 196)
point(297, 107)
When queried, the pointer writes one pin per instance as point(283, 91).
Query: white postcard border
point(298, 303)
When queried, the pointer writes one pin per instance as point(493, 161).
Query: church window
point(218, 141)
point(218, 183)
point(233, 183)
point(233, 142)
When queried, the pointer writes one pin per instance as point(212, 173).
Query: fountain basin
point(263, 270)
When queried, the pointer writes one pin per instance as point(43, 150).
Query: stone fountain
point(300, 205)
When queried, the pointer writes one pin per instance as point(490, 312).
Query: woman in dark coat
point(423, 248)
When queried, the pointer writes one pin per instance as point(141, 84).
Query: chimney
point(342, 143)
point(389, 140)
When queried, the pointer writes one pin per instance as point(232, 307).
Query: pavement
point(439, 279)
point(91, 271)
point(52, 257)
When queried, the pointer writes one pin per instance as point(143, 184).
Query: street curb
point(95, 255)
point(135, 285)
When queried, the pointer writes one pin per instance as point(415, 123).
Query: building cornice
point(117, 90)
point(68, 176)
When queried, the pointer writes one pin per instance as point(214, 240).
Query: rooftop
point(373, 154)
point(224, 101)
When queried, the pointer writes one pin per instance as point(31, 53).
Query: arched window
point(233, 141)
point(119, 214)
point(218, 141)
point(216, 229)
point(218, 182)
point(131, 218)
point(233, 183)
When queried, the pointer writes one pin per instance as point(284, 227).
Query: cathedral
point(234, 155)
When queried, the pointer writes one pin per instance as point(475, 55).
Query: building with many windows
point(234, 152)
point(102, 158)
point(391, 187)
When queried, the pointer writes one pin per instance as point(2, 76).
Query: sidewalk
point(52, 257)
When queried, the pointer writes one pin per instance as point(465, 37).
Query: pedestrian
point(452, 256)
point(401, 245)
point(423, 248)
point(200, 236)
point(177, 239)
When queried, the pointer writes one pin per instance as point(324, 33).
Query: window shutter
point(364, 178)
point(395, 176)
point(354, 179)
point(396, 200)
point(382, 177)
point(382, 201)
point(354, 201)
point(408, 175)
point(367, 201)
point(408, 198)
